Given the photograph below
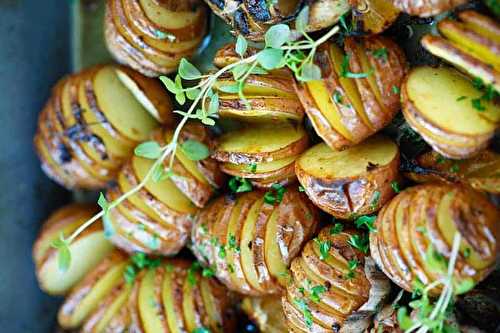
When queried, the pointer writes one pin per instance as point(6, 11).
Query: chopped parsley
point(359, 242)
point(301, 188)
point(461, 98)
point(336, 229)
point(352, 265)
point(366, 221)
point(375, 200)
point(252, 168)
point(306, 312)
point(381, 53)
point(239, 185)
point(275, 194)
point(315, 293)
point(337, 97)
point(395, 186)
point(324, 248)
point(396, 90)
point(345, 72)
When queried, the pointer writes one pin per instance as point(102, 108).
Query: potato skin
point(426, 8)
point(415, 221)
point(213, 235)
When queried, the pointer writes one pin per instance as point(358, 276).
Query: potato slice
point(481, 24)
point(262, 170)
point(432, 215)
point(373, 16)
point(64, 221)
point(149, 302)
point(87, 294)
point(482, 171)
point(352, 182)
point(264, 143)
point(266, 312)
point(426, 8)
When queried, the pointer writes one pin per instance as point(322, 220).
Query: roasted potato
point(472, 44)
point(265, 153)
point(167, 296)
point(426, 8)
point(250, 241)
point(153, 36)
point(334, 286)
point(359, 90)
point(352, 182)
point(438, 104)
point(266, 312)
point(87, 249)
point(252, 18)
point(422, 221)
point(373, 16)
point(157, 219)
point(84, 135)
point(482, 171)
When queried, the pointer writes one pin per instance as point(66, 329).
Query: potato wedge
point(328, 286)
point(453, 125)
point(425, 219)
point(87, 295)
point(88, 248)
point(353, 182)
point(153, 37)
point(481, 172)
point(373, 16)
point(266, 312)
point(426, 8)
point(358, 93)
point(249, 242)
point(263, 143)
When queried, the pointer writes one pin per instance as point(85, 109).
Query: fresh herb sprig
point(282, 50)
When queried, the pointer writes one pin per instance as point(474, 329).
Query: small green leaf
point(213, 107)
point(336, 229)
point(277, 35)
point(252, 167)
point(192, 94)
point(229, 88)
point(208, 121)
point(324, 248)
point(208, 272)
point(302, 19)
point(180, 98)
point(109, 230)
point(301, 188)
point(359, 242)
point(102, 202)
point(464, 286)
point(476, 104)
point(241, 45)
point(435, 260)
point(240, 70)
point(366, 221)
point(129, 274)
point(201, 330)
point(64, 254)
point(258, 70)
point(169, 84)
point(188, 71)
point(270, 58)
point(195, 150)
point(239, 185)
point(275, 195)
point(316, 292)
point(310, 72)
point(404, 320)
point(149, 149)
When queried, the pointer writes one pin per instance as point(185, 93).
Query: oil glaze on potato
point(152, 36)
point(481, 172)
point(250, 243)
point(325, 295)
point(352, 182)
point(359, 90)
point(422, 221)
point(92, 122)
point(434, 107)
point(87, 249)
point(157, 219)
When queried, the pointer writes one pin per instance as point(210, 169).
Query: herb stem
point(318, 42)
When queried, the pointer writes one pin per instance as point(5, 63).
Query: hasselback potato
point(153, 36)
point(88, 248)
point(439, 104)
point(482, 171)
point(426, 8)
point(92, 122)
point(470, 43)
point(157, 219)
point(352, 182)
point(265, 154)
point(147, 295)
point(359, 90)
point(335, 287)
point(266, 312)
point(420, 224)
point(250, 240)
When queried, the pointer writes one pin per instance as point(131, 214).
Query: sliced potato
point(263, 143)
point(87, 295)
point(87, 249)
point(453, 126)
point(352, 182)
point(426, 8)
point(425, 219)
point(482, 171)
point(266, 312)
point(373, 16)
point(324, 292)
point(250, 243)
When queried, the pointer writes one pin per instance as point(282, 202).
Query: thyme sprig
point(282, 50)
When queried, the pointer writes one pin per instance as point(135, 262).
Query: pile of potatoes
point(303, 228)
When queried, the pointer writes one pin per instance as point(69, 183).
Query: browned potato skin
point(298, 219)
point(472, 214)
point(426, 8)
point(127, 29)
point(283, 176)
point(348, 198)
point(266, 312)
point(342, 297)
point(481, 172)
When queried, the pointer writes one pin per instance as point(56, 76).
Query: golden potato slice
point(481, 24)
point(448, 116)
point(263, 143)
point(373, 16)
point(87, 249)
point(266, 312)
point(352, 182)
point(149, 302)
point(87, 295)
point(426, 220)
point(482, 171)
point(250, 242)
point(426, 8)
